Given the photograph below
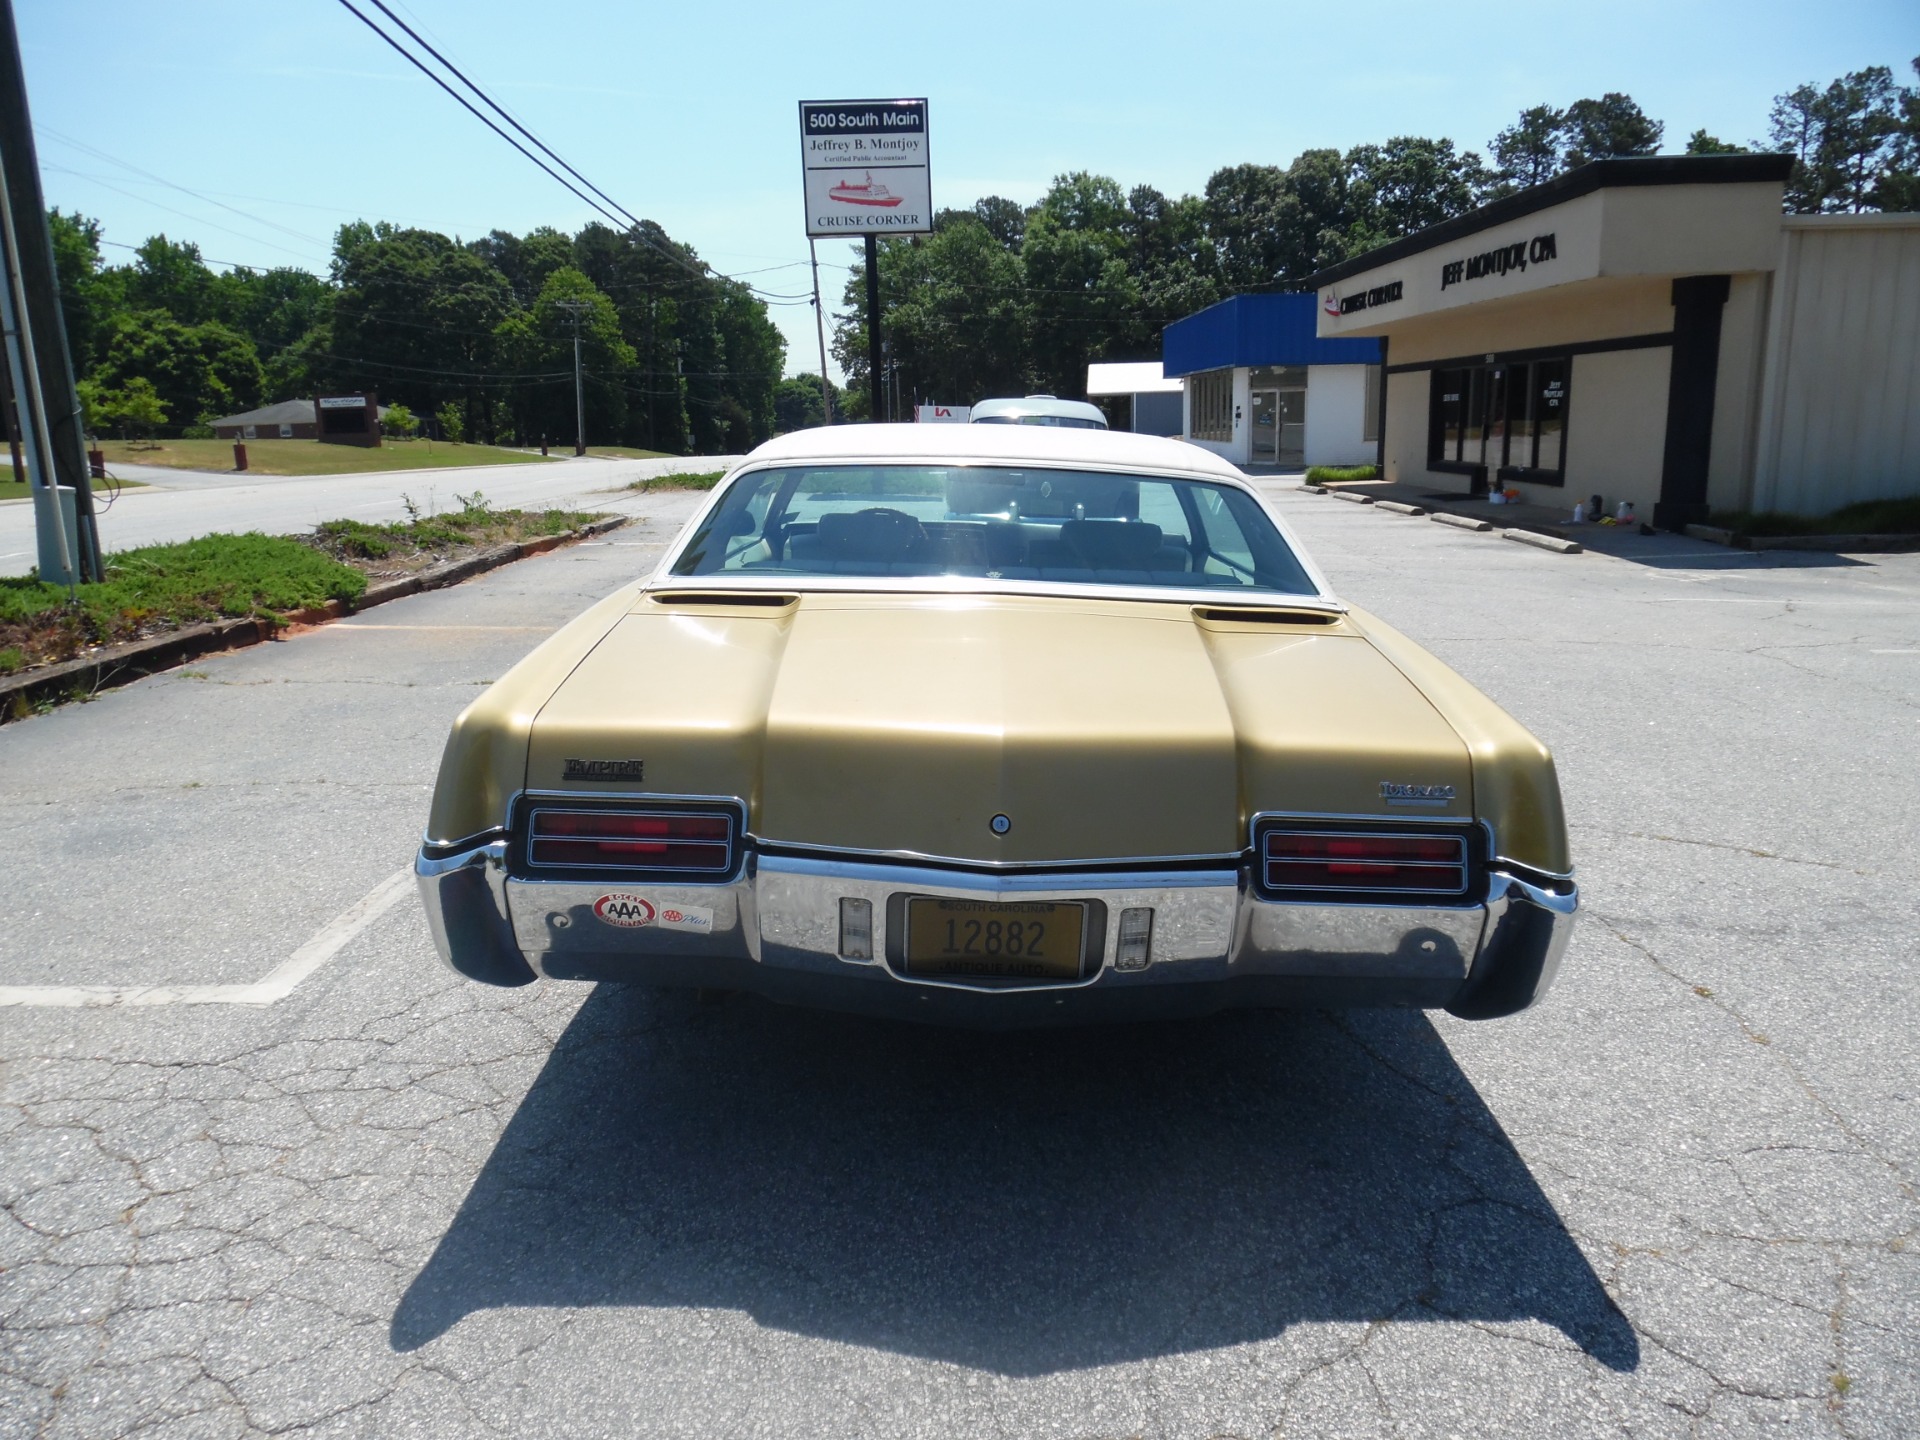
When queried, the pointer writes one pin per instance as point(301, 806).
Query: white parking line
point(330, 940)
point(352, 625)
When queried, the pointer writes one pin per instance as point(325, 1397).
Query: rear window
point(994, 523)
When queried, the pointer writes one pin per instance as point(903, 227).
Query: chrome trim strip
point(787, 849)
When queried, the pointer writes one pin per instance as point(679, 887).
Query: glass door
point(1293, 427)
point(1266, 427)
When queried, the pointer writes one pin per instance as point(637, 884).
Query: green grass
point(310, 457)
point(11, 659)
point(622, 452)
point(680, 480)
point(1867, 517)
point(161, 586)
point(475, 523)
point(1341, 474)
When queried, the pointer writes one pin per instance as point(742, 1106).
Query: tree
point(1846, 140)
point(1528, 152)
point(537, 342)
point(1006, 220)
point(1899, 187)
point(1701, 143)
point(135, 409)
point(198, 371)
point(1606, 128)
point(451, 418)
point(399, 422)
point(89, 294)
point(1242, 214)
point(170, 276)
point(1409, 184)
point(798, 403)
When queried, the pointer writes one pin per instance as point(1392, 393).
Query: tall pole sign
point(865, 168)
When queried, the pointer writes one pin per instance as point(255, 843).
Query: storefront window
point(1511, 418)
point(1212, 407)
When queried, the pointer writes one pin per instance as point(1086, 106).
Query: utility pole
point(820, 324)
point(52, 367)
point(876, 369)
point(576, 308)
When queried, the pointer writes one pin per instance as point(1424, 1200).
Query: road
point(1677, 1199)
point(181, 504)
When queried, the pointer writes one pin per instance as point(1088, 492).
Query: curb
point(1713, 534)
point(1354, 495)
point(136, 659)
point(1399, 507)
point(1462, 522)
point(1544, 542)
point(1859, 543)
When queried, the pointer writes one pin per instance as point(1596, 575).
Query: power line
point(632, 222)
point(100, 154)
point(467, 105)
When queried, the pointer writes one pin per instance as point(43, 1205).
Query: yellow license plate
point(1014, 940)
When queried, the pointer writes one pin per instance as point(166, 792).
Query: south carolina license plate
point(1011, 939)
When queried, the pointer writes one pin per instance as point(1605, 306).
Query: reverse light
point(631, 840)
point(1136, 939)
point(1323, 860)
point(856, 928)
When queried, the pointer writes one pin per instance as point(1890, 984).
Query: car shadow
point(1023, 1203)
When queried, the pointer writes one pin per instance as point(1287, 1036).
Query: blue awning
point(1258, 330)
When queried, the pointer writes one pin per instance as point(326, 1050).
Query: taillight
point(631, 840)
point(1325, 860)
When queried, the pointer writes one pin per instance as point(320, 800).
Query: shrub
point(1864, 517)
point(680, 480)
point(1341, 474)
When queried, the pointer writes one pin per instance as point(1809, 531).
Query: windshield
point(996, 523)
point(1067, 422)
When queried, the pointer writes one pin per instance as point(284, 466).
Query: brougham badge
point(605, 770)
point(1397, 794)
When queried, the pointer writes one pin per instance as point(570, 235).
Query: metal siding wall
point(1258, 330)
point(1844, 373)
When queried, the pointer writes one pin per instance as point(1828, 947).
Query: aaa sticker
point(629, 912)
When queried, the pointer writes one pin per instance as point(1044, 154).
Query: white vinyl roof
point(1131, 377)
point(989, 444)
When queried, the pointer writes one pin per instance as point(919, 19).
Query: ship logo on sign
point(867, 194)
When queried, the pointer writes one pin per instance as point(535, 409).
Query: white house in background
point(1263, 388)
point(1154, 400)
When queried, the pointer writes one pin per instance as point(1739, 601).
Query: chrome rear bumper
point(1215, 943)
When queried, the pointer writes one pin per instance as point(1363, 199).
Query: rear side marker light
point(624, 840)
point(1136, 939)
point(1317, 860)
point(856, 929)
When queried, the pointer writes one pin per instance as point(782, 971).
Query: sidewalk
point(1555, 520)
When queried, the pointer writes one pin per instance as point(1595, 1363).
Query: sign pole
point(876, 381)
point(820, 325)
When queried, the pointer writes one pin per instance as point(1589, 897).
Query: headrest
point(877, 535)
point(1112, 544)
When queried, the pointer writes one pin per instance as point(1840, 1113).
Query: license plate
point(1014, 940)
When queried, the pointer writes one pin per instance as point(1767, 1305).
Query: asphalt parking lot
point(265, 1167)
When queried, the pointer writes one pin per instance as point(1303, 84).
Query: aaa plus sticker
point(629, 912)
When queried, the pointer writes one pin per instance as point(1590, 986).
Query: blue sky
point(294, 113)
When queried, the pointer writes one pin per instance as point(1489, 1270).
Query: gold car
point(997, 725)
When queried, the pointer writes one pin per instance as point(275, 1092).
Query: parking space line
point(329, 941)
point(351, 625)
